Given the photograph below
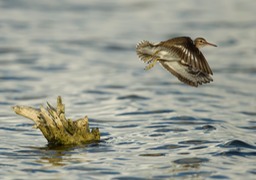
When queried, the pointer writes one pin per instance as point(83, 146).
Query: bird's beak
point(210, 44)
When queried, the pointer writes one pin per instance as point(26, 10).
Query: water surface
point(153, 126)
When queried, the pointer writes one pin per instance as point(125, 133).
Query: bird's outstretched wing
point(184, 74)
point(188, 54)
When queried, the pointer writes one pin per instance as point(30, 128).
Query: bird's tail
point(145, 50)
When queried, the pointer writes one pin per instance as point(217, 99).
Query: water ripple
point(96, 92)
point(8, 50)
point(248, 113)
point(168, 146)
point(207, 128)
point(153, 154)
point(133, 97)
point(238, 144)
point(146, 112)
point(196, 142)
point(19, 78)
point(191, 160)
point(236, 153)
point(170, 130)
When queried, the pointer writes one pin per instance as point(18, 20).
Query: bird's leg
point(151, 64)
point(153, 57)
point(153, 61)
point(147, 59)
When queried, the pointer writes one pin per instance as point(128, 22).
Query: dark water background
point(153, 126)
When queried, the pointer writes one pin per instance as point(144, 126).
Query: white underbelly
point(166, 55)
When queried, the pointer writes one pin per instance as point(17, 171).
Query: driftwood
point(56, 128)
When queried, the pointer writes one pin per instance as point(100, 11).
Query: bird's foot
point(151, 64)
point(148, 59)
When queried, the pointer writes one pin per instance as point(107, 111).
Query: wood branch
point(56, 128)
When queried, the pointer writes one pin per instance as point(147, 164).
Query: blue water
point(152, 125)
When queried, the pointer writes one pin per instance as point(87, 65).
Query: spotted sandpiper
point(180, 56)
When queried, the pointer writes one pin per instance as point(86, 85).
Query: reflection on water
point(152, 126)
point(56, 156)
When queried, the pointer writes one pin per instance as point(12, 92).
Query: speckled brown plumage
point(180, 56)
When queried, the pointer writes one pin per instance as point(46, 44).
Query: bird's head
point(201, 42)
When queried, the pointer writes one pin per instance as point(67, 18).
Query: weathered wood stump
point(56, 128)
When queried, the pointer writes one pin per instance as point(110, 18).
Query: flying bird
point(180, 56)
